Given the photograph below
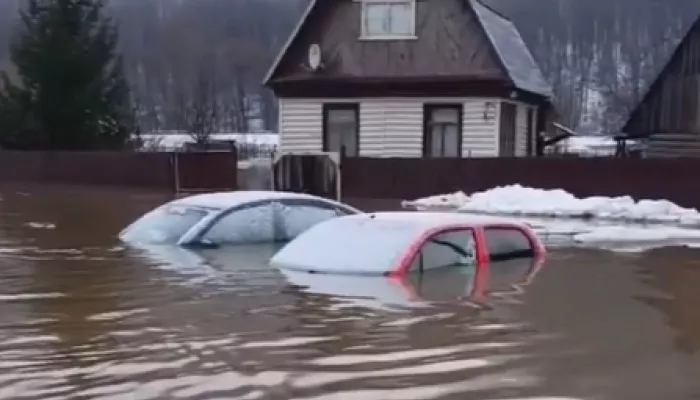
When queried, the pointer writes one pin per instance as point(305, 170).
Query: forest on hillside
point(200, 62)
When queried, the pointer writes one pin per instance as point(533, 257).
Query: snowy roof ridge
point(512, 50)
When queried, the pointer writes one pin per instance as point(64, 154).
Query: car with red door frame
point(401, 243)
point(501, 282)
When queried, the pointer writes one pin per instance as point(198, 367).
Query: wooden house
point(668, 115)
point(408, 78)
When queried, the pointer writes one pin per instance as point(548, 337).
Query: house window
point(442, 131)
point(388, 19)
point(341, 128)
point(507, 133)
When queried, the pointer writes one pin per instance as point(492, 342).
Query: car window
point(454, 248)
point(255, 224)
point(297, 218)
point(164, 225)
point(507, 244)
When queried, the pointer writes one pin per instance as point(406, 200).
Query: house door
point(531, 132)
point(506, 137)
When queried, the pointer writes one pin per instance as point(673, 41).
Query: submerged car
point(400, 243)
point(230, 218)
point(501, 282)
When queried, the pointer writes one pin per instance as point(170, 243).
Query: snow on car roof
point(368, 243)
point(432, 220)
point(235, 198)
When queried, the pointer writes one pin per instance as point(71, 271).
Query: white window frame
point(363, 16)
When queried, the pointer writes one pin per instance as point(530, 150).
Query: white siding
point(300, 126)
point(480, 131)
point(372, 123)
point(389, 127)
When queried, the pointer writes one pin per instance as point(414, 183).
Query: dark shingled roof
point(658, 83)
point(503, 35)
point(512, 50)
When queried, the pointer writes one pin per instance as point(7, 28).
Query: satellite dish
point(314, 56)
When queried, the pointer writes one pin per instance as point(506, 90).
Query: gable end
point(292, 37)
point(477, 44)
point(671, 104)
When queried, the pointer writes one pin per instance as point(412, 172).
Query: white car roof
point(235, 198)
point(368, 243)
point(428, 220)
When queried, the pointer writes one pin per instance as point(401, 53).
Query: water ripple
point(107, 322)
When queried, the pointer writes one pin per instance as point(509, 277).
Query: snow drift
point(517, 200)
point(560, 218)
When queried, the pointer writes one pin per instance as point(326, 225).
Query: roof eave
point(288, 43)
point(548, 93)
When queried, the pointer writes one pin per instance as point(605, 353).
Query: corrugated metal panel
point(300, 125)
point(479, 136)
point(673, 145)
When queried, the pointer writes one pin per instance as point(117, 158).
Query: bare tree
point(198, 106)
point(191, 89)
point(589, 50)
point(245, 61)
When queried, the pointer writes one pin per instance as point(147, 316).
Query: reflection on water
point(82, 317)
point(467, 285)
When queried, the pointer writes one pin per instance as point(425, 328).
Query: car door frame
point(404, 265)
point(483, 258)
point(538, 250)
point(195, 236)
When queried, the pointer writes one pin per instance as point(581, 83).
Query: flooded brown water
point(82, 317)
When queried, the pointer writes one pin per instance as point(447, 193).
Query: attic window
point(388, 19)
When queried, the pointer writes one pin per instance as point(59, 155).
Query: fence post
point(176, 171)
point(339, 176)
point(273, 172)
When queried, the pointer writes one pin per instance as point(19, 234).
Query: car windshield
point(164, 225)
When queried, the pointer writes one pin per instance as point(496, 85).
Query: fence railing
point(153, 170)
point(407, 178)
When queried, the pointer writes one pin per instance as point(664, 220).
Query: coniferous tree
point(70, 93)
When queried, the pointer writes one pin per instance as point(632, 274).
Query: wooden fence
point(169, 171)
point(674, 179)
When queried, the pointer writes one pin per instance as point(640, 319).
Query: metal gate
point(204, 171)
point(313, 173)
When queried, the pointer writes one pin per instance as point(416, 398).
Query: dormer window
point(388, 19)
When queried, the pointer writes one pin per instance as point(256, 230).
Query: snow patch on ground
point(525, 201)
point(173, 141)
point(560, 218)
point(611, 235)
